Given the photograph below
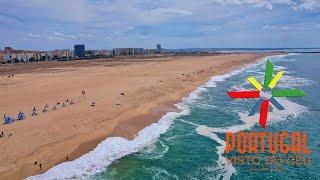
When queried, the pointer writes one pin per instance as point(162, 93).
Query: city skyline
point(47, 25)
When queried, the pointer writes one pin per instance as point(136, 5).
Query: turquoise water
point(183, 153)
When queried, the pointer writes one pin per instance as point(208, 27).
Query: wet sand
point(151, 87)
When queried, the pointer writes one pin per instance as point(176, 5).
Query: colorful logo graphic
point(266, 93)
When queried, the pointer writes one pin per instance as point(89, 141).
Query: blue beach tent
point(7, 119)
point(21, 116)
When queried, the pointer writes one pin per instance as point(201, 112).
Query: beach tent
point(7, 119)
point(45, 108)
point(34, 111)
point(21, 116)
point(71, 102)
point(93, 104)
point(54, 107)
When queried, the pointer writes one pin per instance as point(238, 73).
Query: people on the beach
point(1, 135)
point(83, 94)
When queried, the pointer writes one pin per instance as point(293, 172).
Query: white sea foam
point(114, 148)
point(153, 152)
point(109, 150)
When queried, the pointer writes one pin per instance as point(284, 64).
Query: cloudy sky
point(104, 24)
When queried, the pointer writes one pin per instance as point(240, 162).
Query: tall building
point(79, 50)
point(158, 48)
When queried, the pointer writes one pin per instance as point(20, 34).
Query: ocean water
point(191, 144)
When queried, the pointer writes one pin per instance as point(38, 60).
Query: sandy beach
point(130, 94)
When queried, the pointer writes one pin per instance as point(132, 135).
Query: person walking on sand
point(83, 94)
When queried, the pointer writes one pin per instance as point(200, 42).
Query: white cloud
point(34, 35)
point(83, 35)
point(268, 27)
point(144, 37)
point(71, 36)
point(283, 28)
point(268, 4)
point(58, 34)
point(209, 28)
point(308, 5)
point(55, 38)
point(130, 28)
point(61, 36)
point(171, 12)
point(290, 27)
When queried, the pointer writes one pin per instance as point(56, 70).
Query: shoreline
point(125, 125)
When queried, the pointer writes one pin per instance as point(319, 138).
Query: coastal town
point(11, 55)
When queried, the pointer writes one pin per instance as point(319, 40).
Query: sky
point(107, 24)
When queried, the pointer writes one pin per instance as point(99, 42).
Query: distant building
point(150, 51)
point(11, 55)
point(1, 57)
point(158, 48)
point(61, 54)
point(127, 51)
point(79, 50)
